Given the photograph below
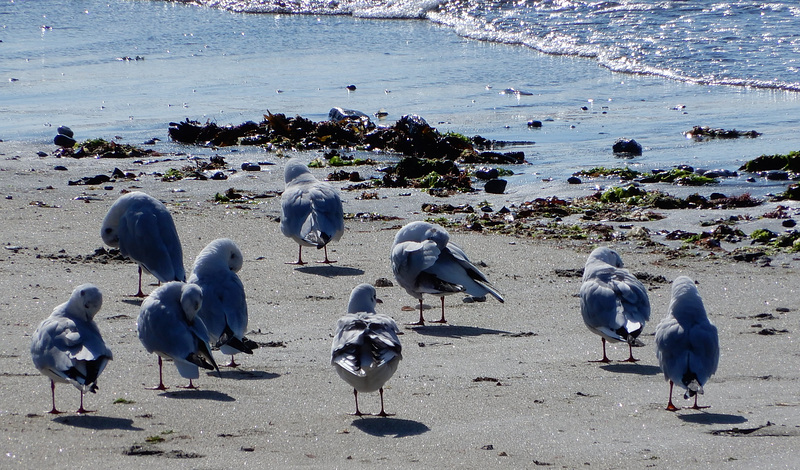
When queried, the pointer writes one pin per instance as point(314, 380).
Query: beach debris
point(706, 132)
point(101, 148)
point(90, 180)
point(788, 162)
point(64, 141)
point(627, 147)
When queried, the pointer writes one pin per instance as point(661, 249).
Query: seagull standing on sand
point(67, 346)
point(224, 307)
point(311, 210)
point(143, 230)
point(614, 303)
point(687, 344)
point(168, 326)
point(425, 262)
point(366, 349)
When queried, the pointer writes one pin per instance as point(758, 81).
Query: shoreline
point(503, 384)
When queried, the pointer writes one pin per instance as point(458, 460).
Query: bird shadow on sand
point(330, 270)
point(447, 331)
point(238, 374)
point(88, 421)
point(195, 394)
point(701, 417)
point(628, 368)
point(390, 427)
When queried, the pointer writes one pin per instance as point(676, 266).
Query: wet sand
point(502, 385)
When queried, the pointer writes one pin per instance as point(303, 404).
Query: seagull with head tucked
point(224, 307)
point(143, 230)
point(311, 210)
point(424, 261)
point(67, 346)
point(614, 304)
point(168, 326)
point(366, 350)
point(687, 343)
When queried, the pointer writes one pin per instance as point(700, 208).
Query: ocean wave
point(746, 43)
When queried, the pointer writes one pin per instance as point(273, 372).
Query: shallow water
point(60, 67)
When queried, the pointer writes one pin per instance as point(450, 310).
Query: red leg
point(232, 363)
point(383, 412)
point(140, 293)
point(605, 358)
point(670, 405)
point(160, 377)
point(421, 321)
point(441, 320)
point(630, 358)
point(358, 412)
point(299, 257)
point(327, 261)
point(696, 406)
point(54, 411)
point(191, 386)
point(83, 410)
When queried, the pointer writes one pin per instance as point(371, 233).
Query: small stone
point(627, 146)
point(383, 282)
point(574, 180)
point(535, 124)
point(64, 130)
point(351, 88)
point(789, 223)
point(60, 168)
point(247, 166)
point(496, 186)
point(64, 141)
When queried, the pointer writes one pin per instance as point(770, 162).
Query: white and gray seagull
point(311, 210)
point(687, 343)
point(67, 346)
point(168, 326)
point(143, 230)
point(366, 350)
point(614, 304)
point(224, 307)
point(424, 261)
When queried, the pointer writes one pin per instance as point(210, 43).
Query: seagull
point(67, 346)
point(311, 210)
point(143, 230)
point(168, 326)
point(614, 303)
point(687, 344)
point(425, 262)
point(224, 307)
point(366, 350)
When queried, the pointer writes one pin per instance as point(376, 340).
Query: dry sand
point(503, 385)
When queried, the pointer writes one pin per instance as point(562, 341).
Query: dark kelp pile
point(429, 158)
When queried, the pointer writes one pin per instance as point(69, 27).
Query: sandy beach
point(501, 386)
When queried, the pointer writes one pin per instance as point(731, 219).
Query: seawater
point(75, 63)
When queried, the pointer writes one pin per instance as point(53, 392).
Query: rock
point(351, 88)
point(340, 114)
point(247, 166)
point(627, 146)
point(60, 168)
point(777, 175)
point(789, 223)
point(496, 186)
point(486, 173)
point(90, 180)
point(64, 130)
point(574, 180)
point(535, 124)
point(64, 141)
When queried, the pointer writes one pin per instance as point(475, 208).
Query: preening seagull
point(614, 304)
point(687, 343)
point(311, 210)
point(143, 230)
point(424, 261)
point(366, 350)
point(67, 346)
point(168, 326)
point(224, 306)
